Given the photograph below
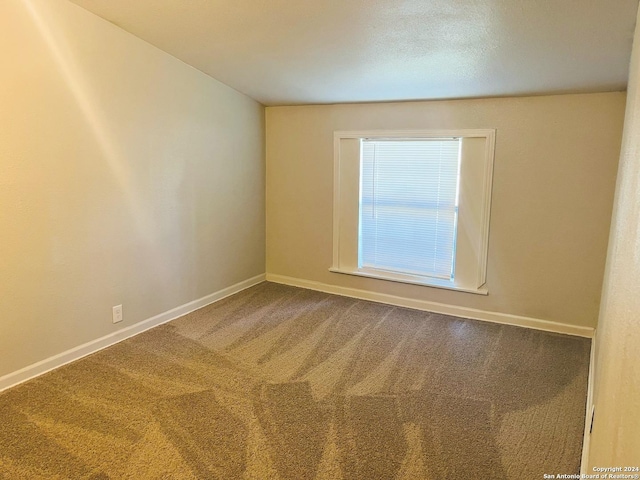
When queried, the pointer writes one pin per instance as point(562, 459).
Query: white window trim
point(489, 135)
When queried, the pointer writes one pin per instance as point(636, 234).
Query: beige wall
point(126, 177)
point(554, 176)
point(615, 439)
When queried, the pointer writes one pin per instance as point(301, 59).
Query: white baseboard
point(51, 363)
point(586, 442)
point(464, 312)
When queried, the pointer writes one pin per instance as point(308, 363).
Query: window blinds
point(408, 205)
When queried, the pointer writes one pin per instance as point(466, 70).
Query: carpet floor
point(278, 382)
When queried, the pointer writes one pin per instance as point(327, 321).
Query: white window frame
point(474, 261)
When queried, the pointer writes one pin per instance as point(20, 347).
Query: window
point(414, 206)
point(408, 205)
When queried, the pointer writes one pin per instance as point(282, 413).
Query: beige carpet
point(284, 383)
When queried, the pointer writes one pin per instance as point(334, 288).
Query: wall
point(126, 177)
point(615, 440)
point(554, 177)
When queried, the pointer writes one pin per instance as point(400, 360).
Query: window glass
point(408, 205)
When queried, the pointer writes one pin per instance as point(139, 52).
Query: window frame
point(475, 285)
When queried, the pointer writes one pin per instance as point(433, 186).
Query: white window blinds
point(408, 205)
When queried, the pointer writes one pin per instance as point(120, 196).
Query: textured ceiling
point(326, 51)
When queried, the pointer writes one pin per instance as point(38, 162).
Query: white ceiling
point(326, 51)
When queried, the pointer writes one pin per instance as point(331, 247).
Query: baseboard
point(586, 442)
point(51, 363)
point(464, 312)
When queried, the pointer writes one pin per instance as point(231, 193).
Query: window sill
point(411, 279)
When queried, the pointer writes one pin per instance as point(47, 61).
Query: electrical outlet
point(117, 314)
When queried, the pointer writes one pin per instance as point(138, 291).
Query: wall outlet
point(117, 314)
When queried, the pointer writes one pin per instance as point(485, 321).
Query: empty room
point(319, 240)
